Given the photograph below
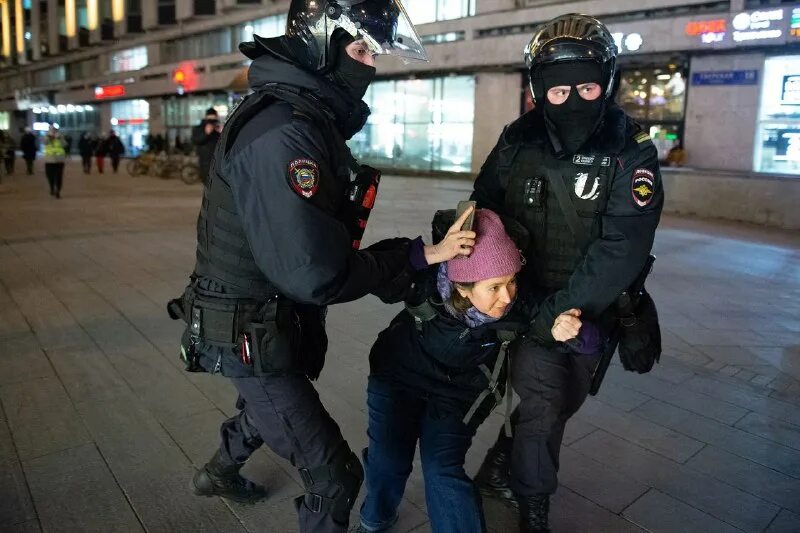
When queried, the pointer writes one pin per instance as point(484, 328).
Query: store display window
point(777, 147)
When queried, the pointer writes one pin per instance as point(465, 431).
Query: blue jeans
point(397, 419)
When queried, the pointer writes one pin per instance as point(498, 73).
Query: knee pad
point(333, 488)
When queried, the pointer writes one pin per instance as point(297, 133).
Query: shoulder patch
point(641, 137)
point(303, 176)
point(642, 186)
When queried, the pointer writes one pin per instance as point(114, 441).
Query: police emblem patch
point(304, 177)
point(642, 186)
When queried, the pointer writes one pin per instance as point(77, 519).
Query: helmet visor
point(385, 28)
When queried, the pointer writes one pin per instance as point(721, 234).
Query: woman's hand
point(455, 243)
point(567, 325)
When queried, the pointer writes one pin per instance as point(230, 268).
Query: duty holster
point(275, 336)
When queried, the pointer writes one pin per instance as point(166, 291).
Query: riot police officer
point(277, 240)
point(584, 179)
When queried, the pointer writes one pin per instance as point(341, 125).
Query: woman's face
point(491, 296)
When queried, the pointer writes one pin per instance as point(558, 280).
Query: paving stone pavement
point(100, 428)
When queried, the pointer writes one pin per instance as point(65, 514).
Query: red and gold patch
point(643, 186)
point(304, 177)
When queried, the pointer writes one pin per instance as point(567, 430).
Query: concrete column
point(93, 20)
point(71, 19)
point(5, 18)
point(497, 102)
point(119, 18)
point(52, 27)
point(19, 31)
point(153, 54)
point(149, 15)
point(156, 117)
point(36, 29)
point(104, 110)
point(184, 9)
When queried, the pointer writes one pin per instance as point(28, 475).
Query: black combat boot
point(533, 512)
point(492, 477)
point(220, 478)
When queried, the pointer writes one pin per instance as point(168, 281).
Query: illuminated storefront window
point(655, 97)
point(130, 59)
point(419, 124)
point(778, 134)
point(424, 11)
point(131, 120)
point(181, 114)
point(273, 26)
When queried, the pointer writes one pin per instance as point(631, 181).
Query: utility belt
point(268, 337)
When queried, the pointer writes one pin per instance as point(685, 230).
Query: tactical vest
point(223, 252)
point(535, 181)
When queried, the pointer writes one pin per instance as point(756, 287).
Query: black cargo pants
point(286, 414)
point(552, 386)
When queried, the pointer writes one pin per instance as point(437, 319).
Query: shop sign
point(794, 23)
point(725, 77)
point(757, 25)
point(790, 93)
point(108, 91)
point(630, 42)
point(709, 31)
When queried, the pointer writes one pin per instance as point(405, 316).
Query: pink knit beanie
point(495, 255)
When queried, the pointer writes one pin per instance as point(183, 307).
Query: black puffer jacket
point(441, 361)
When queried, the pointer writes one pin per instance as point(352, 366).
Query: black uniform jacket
point(289, 176)
point(614, 259)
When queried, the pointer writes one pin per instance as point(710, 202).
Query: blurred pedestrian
point(86, 146)
point(205, 137)
point(55, 155)
point(114, 149)
point(100, 153)
point(9, 151)
point(29, 146)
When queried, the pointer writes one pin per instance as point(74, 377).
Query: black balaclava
point(353, 76)
point(574, 121)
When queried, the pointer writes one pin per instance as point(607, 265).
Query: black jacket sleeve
point(613, 260)
point(489, 192)
point(297, 242)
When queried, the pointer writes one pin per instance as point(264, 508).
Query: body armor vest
point(223, 252)
point(554, 252)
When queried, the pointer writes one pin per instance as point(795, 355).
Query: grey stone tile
point(658, 512)
point(576, 429)
point(87, 374)
point(597, 482)
point(31, 526)
point(622, 398)
point(751, 477)
point(641, 431)
point(720, 337)
point(730, 355)
point(15, 500)
point(772, 429)
point(720, 500)
point(21, 359)
point(744, 397)
point(12, 322)
point(99, 505)
point(736, 441)
point(699, 403)
point(571, 512)
point(786, 522)
point(41, 417)
point(745, 375)
point(151, 469)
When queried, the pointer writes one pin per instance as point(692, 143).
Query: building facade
point(721, 78)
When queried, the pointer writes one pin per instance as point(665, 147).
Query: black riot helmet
point(571, 38)
point(382, 24)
